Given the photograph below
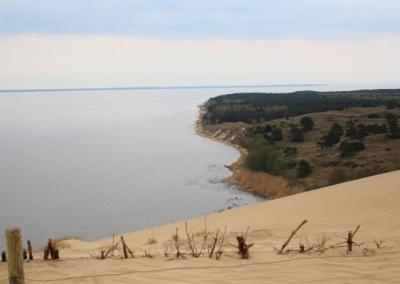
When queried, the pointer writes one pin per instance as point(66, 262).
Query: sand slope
point(373, 202)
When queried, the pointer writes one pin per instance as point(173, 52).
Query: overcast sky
point(96, 43)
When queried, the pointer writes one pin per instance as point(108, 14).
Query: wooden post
point(30, 250)
point(51, 251)
point(46, 253)
point(350, 241)
point(124, 247)
point(14, 253)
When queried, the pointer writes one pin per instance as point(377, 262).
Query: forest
point(250, 107)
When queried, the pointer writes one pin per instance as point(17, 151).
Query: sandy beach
point(260, 183)
point(372, 203)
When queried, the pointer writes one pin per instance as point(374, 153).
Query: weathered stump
point(14, 253)
point(243, 247)
point(30, 254)
point(51, 251)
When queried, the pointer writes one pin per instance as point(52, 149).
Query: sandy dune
point(373, 202)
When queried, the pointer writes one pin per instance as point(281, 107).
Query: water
point(94, 163)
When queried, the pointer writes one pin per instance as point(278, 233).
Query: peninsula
point(295, 142)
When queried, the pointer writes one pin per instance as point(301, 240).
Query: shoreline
point(259, 183)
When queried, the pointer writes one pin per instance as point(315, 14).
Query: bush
point(265, 159)
point(276, 134)
point(374, 115)
point(376, 128)
point(290, 164)
point(351, 130)
point(307, 123)
point(362, 131)
point(290, 151)
point(296, 134)
point(259, 129)
point(391, 104)
point(252, 142)
point(303, 169)
point(349, 148)
point(392, 122)
point(333, 136)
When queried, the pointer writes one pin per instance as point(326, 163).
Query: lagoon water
point(94, 163)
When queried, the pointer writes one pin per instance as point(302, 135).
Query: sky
point(99, 43)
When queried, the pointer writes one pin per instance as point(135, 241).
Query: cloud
point(55, 61)
point(239, 19)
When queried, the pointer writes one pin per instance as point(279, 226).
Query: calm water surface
point(91, 164)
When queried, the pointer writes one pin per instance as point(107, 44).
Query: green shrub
point(290, 151)
point(374, 115)
point(264, 158)
point(333, 136)
point(362, 131)
point(392, 122)
point(276, 134)
point(376, 128)
point(307, 123)
point(303, 169)
point(296, 134)
point(290, 164)
point(349, 148)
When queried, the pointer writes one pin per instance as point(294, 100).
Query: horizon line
point(32, 90)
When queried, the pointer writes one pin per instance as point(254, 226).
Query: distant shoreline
point(33, 90)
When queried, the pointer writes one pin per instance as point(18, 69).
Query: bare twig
point(214, 244)
point(378, 244)
point(291, 236)
point(219, 252)
point(190, 240)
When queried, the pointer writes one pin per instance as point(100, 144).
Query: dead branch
point(247, 231)
point(190, 240)
point(111, 249)
point(214, 244)
point(219, 252)
point(203, 246)
point(378, 244)
point(177, 245)
point(148, 253)
point(126, 249)
point(291, 236)
point(356, 230)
